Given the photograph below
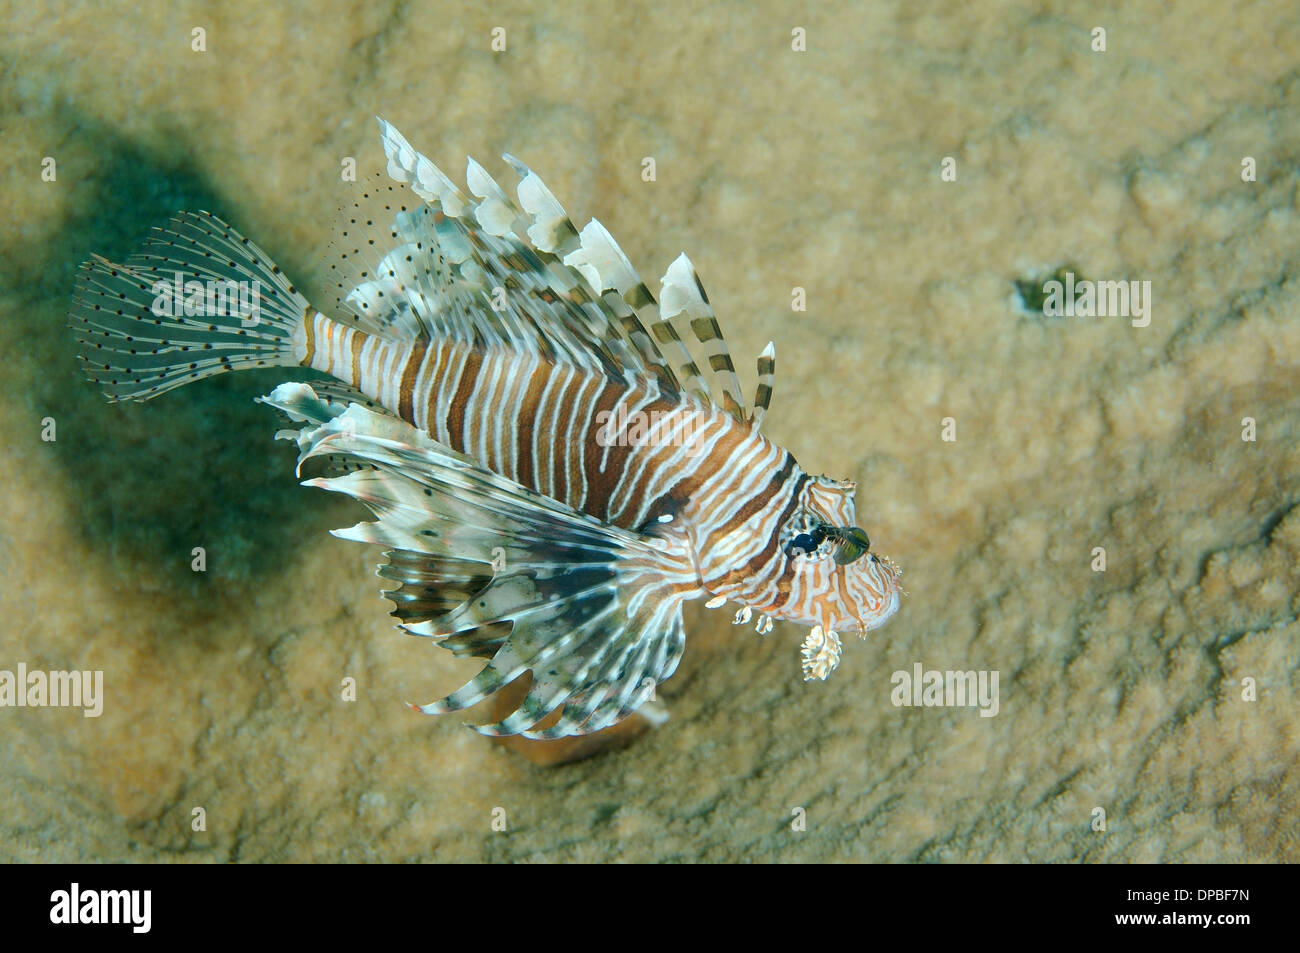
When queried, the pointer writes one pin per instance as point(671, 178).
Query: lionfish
point(553, 472)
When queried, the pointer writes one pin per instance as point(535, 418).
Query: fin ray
point(197, 299)
point(520, 274)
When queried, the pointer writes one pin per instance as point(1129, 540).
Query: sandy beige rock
point(1121, 690)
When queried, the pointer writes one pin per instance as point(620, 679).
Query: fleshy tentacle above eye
point(851, 543)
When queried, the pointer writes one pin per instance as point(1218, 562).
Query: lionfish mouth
point(895, 575)
point(878, 600)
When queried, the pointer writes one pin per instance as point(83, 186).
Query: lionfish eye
point(807, 544)
point(851, 543)
point(803, 544)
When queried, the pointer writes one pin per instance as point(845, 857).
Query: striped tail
point(197, 299)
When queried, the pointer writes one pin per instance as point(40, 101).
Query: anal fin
point(594, 611)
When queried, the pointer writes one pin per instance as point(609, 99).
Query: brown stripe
point(309, 326)
point(538, 462)
point(687, 487)
point(593, 387)
point(774, 540)
point(406, 395)
point(757, 502)
point(358, 342)
point(456, 412)
point(525, 434)
point(435, 370)
point(664, 332)
point(490, 418)
point(568, 399)
point(706, 329)
point(600, 486)
point(765, 555)
point(639, 296)
point(622, 458)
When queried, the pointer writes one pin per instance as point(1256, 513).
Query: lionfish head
point(835, 580)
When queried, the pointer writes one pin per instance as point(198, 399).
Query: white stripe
point(424, 379)
point(450, 382)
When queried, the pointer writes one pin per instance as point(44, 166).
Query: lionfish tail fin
point(197, 299)
point(492, 569)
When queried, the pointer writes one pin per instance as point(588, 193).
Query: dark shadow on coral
point(196, 467)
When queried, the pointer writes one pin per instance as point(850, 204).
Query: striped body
point(538, 423)
point(730, 490)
